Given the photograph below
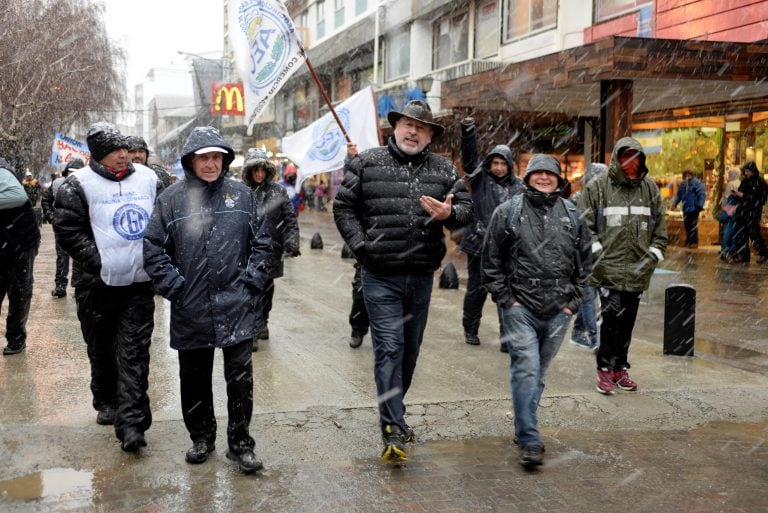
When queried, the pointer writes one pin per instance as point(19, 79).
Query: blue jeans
point(533, 343)
point(398, 306)
point(727, 246)
point(585, 325)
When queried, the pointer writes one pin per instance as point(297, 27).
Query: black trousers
point(16, 281)
point(195, 373)
point(117, 324)
point(62, 268)
point(475, 297)
point(619, 310)
point(266, 300)
point(691, 224)
point(358, 316)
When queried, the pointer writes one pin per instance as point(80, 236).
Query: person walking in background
point(138, 152)
point(692, 195)
point(750, 199)
point(585, 332)
point(289, 183)
point(391, 208)
point(47, 202)
point(19, 241)
point(32, 188)
point(100, 214)
point(625, 215)
point(208, 251)
point(536, 262)
point(728, 206)
point(492, 181)
point(258, 173)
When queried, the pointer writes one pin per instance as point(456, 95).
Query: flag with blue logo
point(267, 49)
point(321, 147)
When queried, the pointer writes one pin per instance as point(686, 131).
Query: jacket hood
point(734, 174)
point(615, 170)
point(4, 164)
point(203, 137)
point(594, 170)
point(255, 158)
point(548, 163)
point(503, 151)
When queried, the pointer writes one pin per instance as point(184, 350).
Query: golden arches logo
point(227, 99)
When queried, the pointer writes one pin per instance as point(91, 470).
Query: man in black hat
point(391, 209)
point(138, 152)
point(100, 214)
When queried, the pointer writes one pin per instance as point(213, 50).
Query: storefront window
point(525, 17)
point(605, 9)
point(486, 29)
point(451, 40)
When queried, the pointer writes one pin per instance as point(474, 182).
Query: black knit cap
point(103, 138)
point(137, 143)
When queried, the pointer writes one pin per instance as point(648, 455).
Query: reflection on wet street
point(315, 412)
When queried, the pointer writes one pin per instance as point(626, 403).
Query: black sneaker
point(14, 348)
point(106, 416)
point(133, 441)
point(394, 445)
point(531, 456)
point(59, 292)
point(199, 452)
point(355, 340)
point(246, 461)
point(472, 340)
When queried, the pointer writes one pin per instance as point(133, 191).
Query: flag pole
point(325, 95)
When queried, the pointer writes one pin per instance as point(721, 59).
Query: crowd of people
point(213, 248)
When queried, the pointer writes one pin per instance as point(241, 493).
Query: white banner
point(321, 147)
point(266, 48)
point(66, 148)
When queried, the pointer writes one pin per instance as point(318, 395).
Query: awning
point(666, 74)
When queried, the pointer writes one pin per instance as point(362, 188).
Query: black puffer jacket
point(541, 261)
point(488, 190)
point(281, 219)
point(755, 192)
point(378, 214)
point(208, 251)
point(18, 225)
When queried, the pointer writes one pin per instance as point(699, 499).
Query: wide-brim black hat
point(420, 111)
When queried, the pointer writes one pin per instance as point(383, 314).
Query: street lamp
point(425, 84)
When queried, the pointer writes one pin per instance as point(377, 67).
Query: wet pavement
point(692, 439)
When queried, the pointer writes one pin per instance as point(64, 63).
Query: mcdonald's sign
point(227, 99)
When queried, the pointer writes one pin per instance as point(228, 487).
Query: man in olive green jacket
point(625, 215)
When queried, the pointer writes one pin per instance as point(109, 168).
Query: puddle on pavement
point(726, 351)
point(47, 484)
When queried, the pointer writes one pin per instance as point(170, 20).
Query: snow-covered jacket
point(378, 214)
point(539, 258)
point(692, 194)
point(626, 221)
point(281, 219)
point(99, 220)
point(18, 223)
point(208, 251)
point(488, 190)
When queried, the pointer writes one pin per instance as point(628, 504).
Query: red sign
point(227, 99)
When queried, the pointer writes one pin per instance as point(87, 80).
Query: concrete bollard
point(449, 278)
point(679, 320)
